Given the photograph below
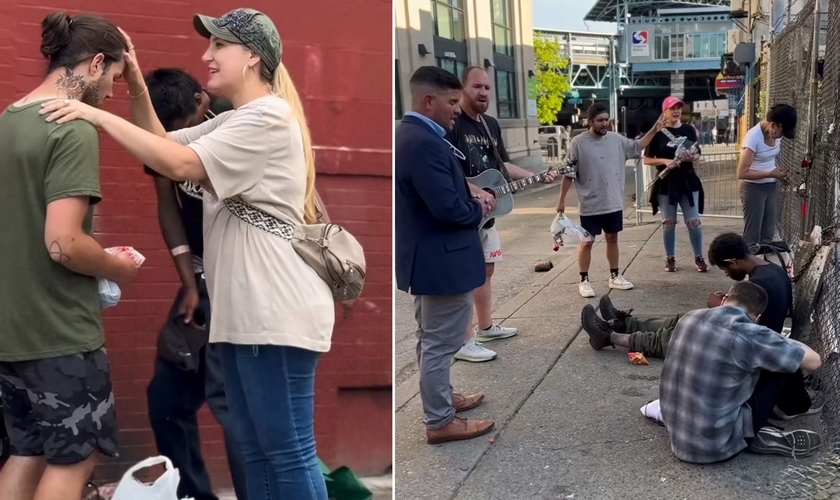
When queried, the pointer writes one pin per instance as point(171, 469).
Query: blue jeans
point(690, 213)
point(271, 394)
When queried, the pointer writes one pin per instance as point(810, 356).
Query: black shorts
point(60, 408)
point(612, 222)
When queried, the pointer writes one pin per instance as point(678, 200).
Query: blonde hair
point(283, 87)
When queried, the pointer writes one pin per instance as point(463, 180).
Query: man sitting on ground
point(651, 336)
point(722, 378)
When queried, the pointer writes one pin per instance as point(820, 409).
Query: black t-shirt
point(776, 282)
point(679, 181)
point(190, 198)
point(470, 138)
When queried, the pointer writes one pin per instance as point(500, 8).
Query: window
point(705, 45)
point(502, 32)
point(451, 65)
point(677, 46)
point(449, 19)
point(398, 108)
point(662, 47)
point(506, 93)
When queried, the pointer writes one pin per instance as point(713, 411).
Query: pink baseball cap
point(670, 102)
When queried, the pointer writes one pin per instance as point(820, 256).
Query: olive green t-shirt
point(46, 310)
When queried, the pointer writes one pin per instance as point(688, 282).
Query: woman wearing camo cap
point(272, 315)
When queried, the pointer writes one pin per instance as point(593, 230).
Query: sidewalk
point(568, 423)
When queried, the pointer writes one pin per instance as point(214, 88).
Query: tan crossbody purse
point(329, 249)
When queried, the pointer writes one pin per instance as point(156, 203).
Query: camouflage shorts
point(60, 408)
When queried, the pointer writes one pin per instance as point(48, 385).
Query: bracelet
point(138, 95)
point(180, 250)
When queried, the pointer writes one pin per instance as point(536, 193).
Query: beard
point(93, 95)
point(737, 275)
point(480, 107)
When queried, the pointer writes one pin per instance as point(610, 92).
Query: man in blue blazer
point(439, 258)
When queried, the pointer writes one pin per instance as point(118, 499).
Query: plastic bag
point(164, 488)
point(561, 225)
point(109, 292)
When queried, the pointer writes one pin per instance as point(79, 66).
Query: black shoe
point(616, 318)
point(702, 267)
point(599, 330)
point(670, 265)
point(796, 444)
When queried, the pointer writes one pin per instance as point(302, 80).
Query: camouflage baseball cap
point(249, 27)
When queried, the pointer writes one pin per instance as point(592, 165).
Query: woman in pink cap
point(673, 152)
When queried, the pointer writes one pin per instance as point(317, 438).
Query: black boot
point(599, 330)
point(616, 318)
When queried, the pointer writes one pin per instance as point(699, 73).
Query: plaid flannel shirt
point(714, 360)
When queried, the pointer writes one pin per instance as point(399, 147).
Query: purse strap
point(260, 219)
point(502, 167)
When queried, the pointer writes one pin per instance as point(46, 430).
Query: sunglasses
point(457, 152)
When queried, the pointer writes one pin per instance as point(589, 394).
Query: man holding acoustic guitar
point(479, 138)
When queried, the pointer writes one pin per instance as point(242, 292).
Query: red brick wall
point(339, 54)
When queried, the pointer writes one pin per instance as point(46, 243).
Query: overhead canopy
point(607, 10)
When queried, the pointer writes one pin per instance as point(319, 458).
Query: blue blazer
point(438, 249)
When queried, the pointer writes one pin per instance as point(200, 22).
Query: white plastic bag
point(561, 225)
point(164, 488)
point(652, 411)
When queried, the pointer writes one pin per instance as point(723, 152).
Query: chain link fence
point(809, 200)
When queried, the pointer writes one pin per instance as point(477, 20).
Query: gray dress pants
point(441, 323)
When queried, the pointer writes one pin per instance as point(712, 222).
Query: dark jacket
point(438, 250)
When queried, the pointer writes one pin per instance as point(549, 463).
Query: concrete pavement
point(568, 419)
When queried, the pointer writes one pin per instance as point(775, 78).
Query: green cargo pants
point(651, 336)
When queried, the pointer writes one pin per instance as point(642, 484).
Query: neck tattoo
point(71, 84)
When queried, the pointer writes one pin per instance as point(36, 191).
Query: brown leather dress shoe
point(459, 429)
point(464, 403)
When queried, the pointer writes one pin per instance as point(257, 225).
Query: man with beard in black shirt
point(482, 151)
point(175, 395)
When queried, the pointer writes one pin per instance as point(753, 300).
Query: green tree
point(552, 80)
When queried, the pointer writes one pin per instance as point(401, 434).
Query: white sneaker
point(495, 332)
point(585, 289)
point(474, 352)
point(620, 283)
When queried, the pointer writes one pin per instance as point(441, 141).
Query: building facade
point(454, 34)
point(591, 59)
point(339, 56)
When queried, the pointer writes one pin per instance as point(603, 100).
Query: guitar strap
point(502, 167)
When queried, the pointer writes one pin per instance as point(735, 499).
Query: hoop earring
point(244, 69)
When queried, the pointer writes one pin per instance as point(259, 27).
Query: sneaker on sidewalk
point(620, 283)
point(458, 429)
point(702, 267)
point(474, 352)
point(495, 332)
point(795, 444)
point(463, 403)
point(585, 289)
point(598, 329)
point(817, 403)
point(616, 318)
point(670, 265)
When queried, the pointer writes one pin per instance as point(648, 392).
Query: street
point(568, 424)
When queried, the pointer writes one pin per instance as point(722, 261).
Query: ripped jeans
point(691, 215)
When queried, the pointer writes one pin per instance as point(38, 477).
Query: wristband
point(180, 250)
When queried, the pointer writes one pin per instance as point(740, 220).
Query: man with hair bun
point(54, 375)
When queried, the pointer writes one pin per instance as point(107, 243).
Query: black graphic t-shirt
point(470, 138)
point(682, 180)
point(190, 198)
